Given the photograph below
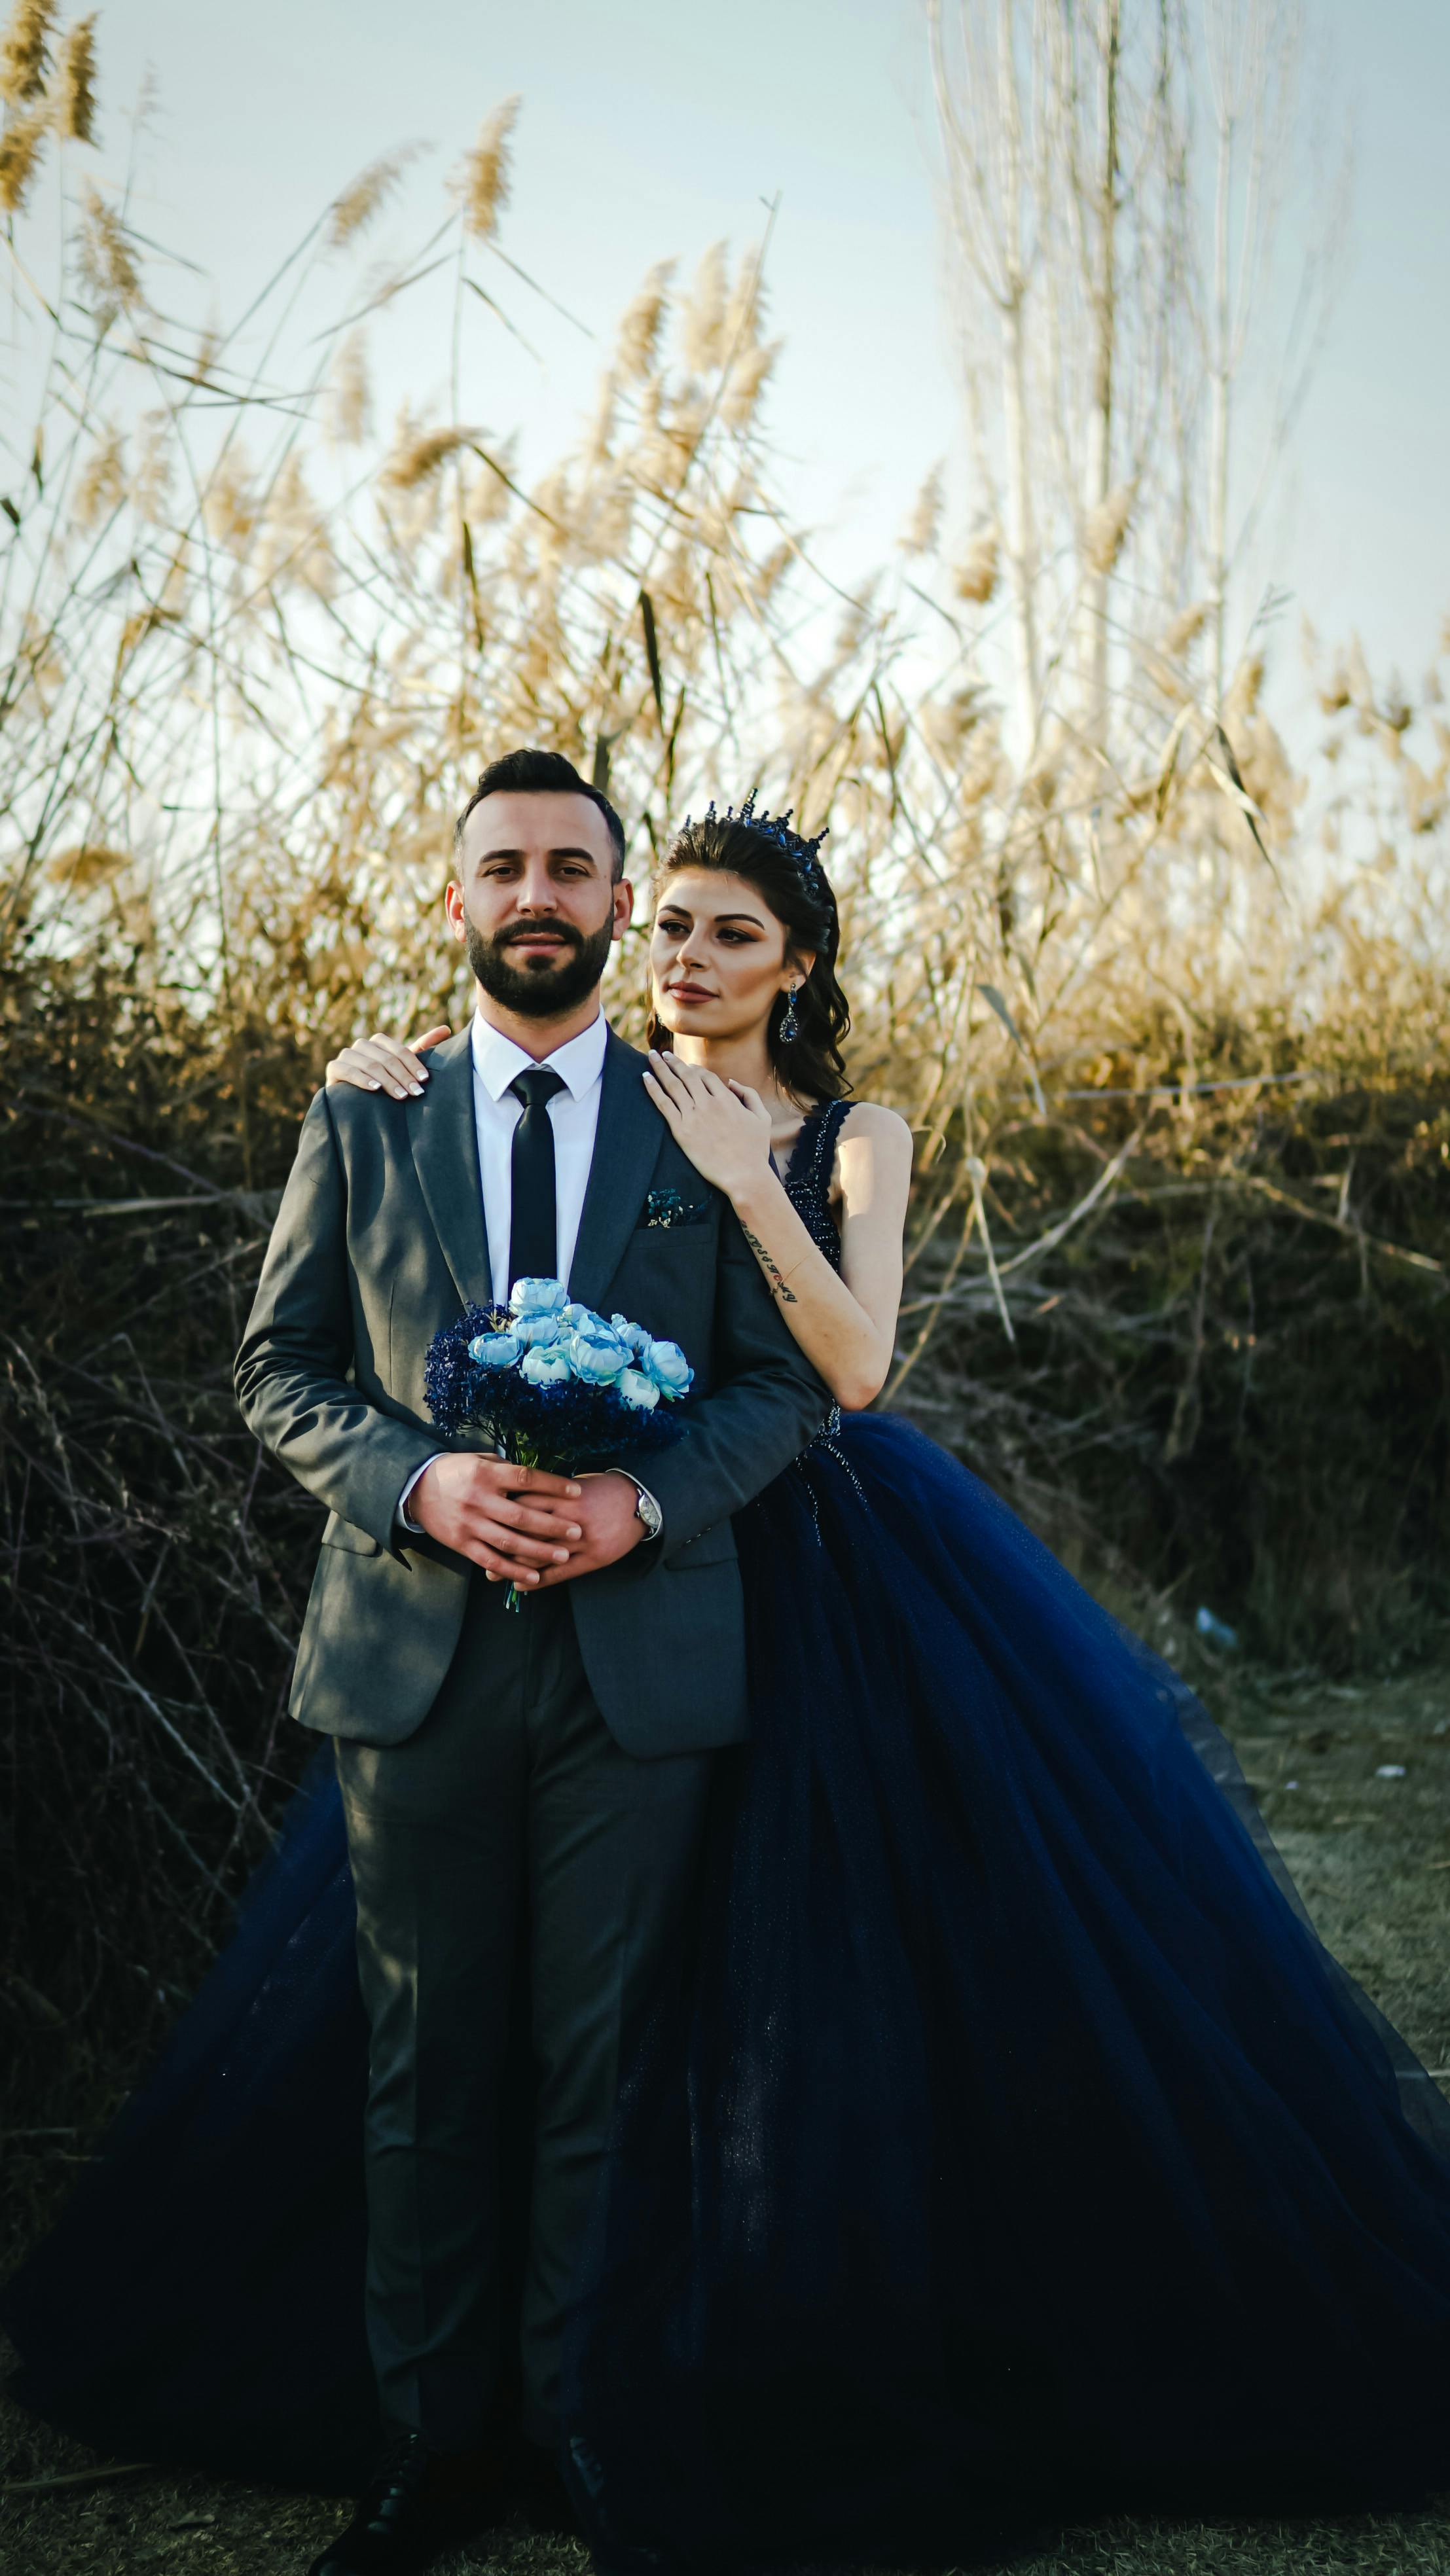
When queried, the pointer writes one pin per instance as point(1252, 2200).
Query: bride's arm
point(381, 1063)
point(844, 1321)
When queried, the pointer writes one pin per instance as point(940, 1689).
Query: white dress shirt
point(573, 1115)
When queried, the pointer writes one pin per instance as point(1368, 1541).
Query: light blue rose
point(574, 1313)
point(666, 1363)
point(495, 1350)
point(537, 1296)
point(596, 1354)
point(633, 1336)
point(545, 1366)
point(638, 1390)
point(532, 1330)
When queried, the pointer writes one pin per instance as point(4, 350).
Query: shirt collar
point(578, 1063)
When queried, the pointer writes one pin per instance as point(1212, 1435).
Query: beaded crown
point(776, 828)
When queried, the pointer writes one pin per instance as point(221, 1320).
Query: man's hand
point(608, 1512)
point(510, 1520)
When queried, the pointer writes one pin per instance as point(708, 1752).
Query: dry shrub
point(1229, 1380)
point(155, 1576)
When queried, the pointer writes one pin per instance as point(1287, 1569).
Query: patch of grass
point(193, 2522)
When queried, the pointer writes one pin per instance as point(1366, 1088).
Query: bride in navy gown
point(1012, 2146)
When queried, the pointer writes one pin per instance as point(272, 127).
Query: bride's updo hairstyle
point(786, 872)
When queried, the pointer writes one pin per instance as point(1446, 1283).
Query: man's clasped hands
point(523, 1525)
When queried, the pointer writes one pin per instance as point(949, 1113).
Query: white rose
point(545, 1365)
point(537, 1296)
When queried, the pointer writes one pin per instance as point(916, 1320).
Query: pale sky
point(651, 128)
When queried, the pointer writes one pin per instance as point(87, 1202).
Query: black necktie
point(533, 1216)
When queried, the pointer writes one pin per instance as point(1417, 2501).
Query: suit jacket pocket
point(345, 1534)
point(666, 1211)
point(376, 1642)
point(713, 1547)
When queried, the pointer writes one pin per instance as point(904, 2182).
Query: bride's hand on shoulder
point(722, 1126)
point(387, 1064)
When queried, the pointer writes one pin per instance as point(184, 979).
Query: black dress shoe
point(542, 2494)
point(420, 2503)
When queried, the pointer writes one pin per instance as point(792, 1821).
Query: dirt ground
point(1355, 1783)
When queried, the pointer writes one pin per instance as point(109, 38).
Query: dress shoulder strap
point(808, 1175)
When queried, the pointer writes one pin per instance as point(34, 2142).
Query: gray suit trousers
point(512, 1812)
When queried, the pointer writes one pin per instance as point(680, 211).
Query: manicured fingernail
point(415, 1090)
point(572, 1532)
point(561, 1556)
point(573, 1492)
point(374, 1086)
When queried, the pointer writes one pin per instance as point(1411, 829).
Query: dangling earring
point(790, 1027)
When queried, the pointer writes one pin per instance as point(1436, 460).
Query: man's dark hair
point(542, 773)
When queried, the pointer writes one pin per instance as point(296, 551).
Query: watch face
point(649, 1512)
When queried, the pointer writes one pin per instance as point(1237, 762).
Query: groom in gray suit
point(541, 1775)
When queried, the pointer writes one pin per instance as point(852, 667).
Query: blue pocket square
point(669, 1207)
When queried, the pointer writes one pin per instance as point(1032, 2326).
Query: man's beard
point(538, 988)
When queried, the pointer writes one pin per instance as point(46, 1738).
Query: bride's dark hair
point(784, 869)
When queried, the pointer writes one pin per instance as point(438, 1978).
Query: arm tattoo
point(778, 1287)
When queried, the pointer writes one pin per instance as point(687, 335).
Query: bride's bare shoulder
point(872, 1171)
point(871, 1121)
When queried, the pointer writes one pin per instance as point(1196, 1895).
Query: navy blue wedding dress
point(1012, 2148)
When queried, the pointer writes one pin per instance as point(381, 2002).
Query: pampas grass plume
point(1185, 629)
point(350, 405)
point(747, 382)
point(88, 865)
point(484, 183)
point(228, 505)
point(25, 50)
point(704, 319)
point(639, 332)
point(103, 481)
point(486, 495)
point(919, 535)
point(19, 151)
point(108, 262)
point(975, 578)
point(418, 455)
point(354, 210)
point(1106, 528)
point(75, 83)
point(151, 482)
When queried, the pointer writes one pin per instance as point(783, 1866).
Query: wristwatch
point(646, 1509)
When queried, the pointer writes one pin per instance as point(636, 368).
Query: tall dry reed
point(1165, 1006)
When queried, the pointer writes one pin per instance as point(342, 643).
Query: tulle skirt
point(1017, 2147)
point(201, 2299)
point(1012, 2146)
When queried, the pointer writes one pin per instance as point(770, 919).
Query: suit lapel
point(444, 1138)
point(626, 1148)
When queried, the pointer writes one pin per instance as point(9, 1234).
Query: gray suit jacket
point(379, 1241)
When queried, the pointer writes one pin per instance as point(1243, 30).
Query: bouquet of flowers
point(548, 1382)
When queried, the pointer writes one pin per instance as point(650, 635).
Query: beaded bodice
point(808, 1175)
